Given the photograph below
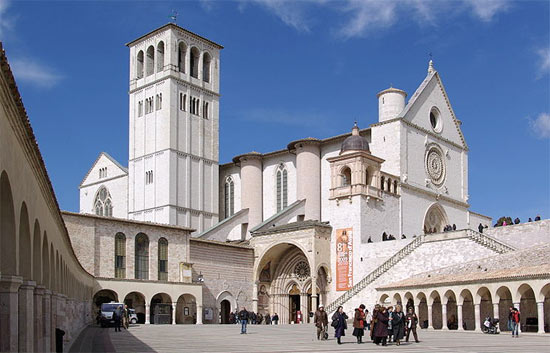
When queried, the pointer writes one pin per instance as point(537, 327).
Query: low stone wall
point(523, 235)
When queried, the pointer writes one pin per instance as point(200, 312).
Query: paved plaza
point(287, 338)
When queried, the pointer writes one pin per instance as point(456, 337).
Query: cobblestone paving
point(294, 338)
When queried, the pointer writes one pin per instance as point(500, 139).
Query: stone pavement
point(289, 338)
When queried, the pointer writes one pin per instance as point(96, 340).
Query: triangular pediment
point(431, 96)
point(113, 170)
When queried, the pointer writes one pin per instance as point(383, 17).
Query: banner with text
point(344, 259)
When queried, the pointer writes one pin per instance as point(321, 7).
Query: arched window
point(382, 183)
point(367, 177)
point(103, 204)
point(194, 62)
point(120, 255)
point(229, 193)
point(160, 57)
point(395, 186)
point(139, 65)
point(345, 176)
point(181, 56)
point(163, 259)
point(142, 256)
point(389, 184)
point(282, 187)
point(206, 67)
point(150, 64)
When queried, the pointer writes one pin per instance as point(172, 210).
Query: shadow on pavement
point(97, 339)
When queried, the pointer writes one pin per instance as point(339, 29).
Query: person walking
point(126, 321)
point(381, 329)
point(117, 315)
point(359, 323)
point(390, 329)
point(398, 324)
point(516, 319)
point(275, 319)
point(374, 321)
point(411, 320)
point(320, 320)
point(243, 318)
point(339, 323)
point(368, 319)
point(267, 319)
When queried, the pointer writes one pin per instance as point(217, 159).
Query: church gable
point(104, 168)
point(430, 109)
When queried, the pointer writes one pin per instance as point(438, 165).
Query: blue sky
point(296, 69)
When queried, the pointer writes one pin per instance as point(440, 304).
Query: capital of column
point(47, 292)
point(10, 284)
point(27, 285)
point(39, 290)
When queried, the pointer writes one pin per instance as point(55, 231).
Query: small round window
point(435, 120)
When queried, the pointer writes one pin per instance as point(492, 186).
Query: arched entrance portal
point(435, 219)
point(186, 309)
point(161, 309)
point(225, 310)
point(136, 301)
point(284, 288)
point(103, 296)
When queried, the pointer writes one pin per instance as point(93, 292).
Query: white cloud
point(541, 125)
point(6, 22)
point(361, 17)
point(543, 62)
point(34, 73)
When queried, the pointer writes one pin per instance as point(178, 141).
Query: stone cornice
point(250, 155)
point(434, 194)
point(177, 152)
point(178, 79)
point(221, 243)
point(176, 27)
point(358, 154)
point(179, 208)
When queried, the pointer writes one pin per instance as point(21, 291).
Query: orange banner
point(344, 259)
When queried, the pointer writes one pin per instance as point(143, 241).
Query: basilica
point(376, 214)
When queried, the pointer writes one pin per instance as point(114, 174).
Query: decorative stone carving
point(301, 270)
point(435, 165)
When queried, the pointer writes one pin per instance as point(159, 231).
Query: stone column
point(417, 311)
point(477, 315)
point(9, 307)
point(26, 316)
point(147, 322)
point(495, 310)
point(199, 314)
point(517, 306)
point(47, 321)
point(255, 297)
point(430, 319)
point(459, 313)
point(540, 314)
point(251, 187)
point(308, 176)
point(303, 307)
point(174, 306)
point(38, 319)
point(444, 316)
point(314, 295)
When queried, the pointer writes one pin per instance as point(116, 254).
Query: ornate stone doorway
point(435, 219)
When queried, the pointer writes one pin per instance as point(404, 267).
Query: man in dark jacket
point(321, 322)
point(243, 318)
point(117, 315)
point(411, 320)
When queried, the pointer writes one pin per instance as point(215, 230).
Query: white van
point(107, 310)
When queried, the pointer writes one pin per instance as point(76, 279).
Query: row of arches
point(466, 308)
point(158, 309)
point(386, 183)
point(190, 60)
point(45, 288)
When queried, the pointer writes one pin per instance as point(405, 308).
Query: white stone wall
point(387, 144)
point(522, 235)
point(235, 173)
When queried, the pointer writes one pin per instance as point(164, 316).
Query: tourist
point(267, 319)
point(398, 324)
point(390, 329)
point(374, 320)
point(403, 236)
point(529, 220)
point(384, 236)
point(243, 318)
point(381, 328)
point(126, 320)
point(515, 322)
point(454, 226)
point(117, 316)
point(275, 319)
point(359, 323)
point(537, 218)
point(516, 221)
point(411, 322)
point(321, 322)
point(369, 240)
point(260, 319)
point(480, 228)
point(368, 319)
point(339, 323)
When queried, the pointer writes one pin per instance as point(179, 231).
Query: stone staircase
point(479, 238)
point(371, 277)
point(489, 242)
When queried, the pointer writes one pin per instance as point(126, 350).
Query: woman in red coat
point(359, 323)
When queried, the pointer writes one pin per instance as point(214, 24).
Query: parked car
point(107, 310)
point(132, 316)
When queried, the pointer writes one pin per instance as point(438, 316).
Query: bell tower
point(174, 128)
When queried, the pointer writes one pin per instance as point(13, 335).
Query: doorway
point(225, 311)
point(294, 307)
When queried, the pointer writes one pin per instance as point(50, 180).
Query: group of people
point(245, 317)
point(384, 325)
point(507, 221)
point(514, 320)
point(120, 317)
